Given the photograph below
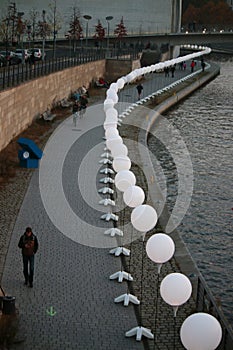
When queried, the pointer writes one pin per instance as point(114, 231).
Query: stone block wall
point(20, 105)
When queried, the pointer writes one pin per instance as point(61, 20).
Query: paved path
point(73, 264)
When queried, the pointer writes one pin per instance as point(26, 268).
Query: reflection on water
point(206, 125)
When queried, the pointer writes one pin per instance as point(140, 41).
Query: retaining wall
point(20, 105)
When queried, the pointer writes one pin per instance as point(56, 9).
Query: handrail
point(15, 75)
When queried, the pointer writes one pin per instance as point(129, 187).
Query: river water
point(205, 122)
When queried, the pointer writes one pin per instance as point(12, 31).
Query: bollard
point(8, 305)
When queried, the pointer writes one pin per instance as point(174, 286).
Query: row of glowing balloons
point(200, 330)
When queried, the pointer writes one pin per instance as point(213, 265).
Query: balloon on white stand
point(134, 196)
point(111, 113)
point(114, 142)
point(111, 132)
point(108, 103)
point(144, 218)
point(121, 150)
point(175, 289)
point(160, 248)
point(201, 331)
point(108, 124)
point(121, 163)
point(111, 94)
point(124, 179)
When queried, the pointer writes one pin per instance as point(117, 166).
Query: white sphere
point(201, 331)
point(110, 124)
point(124, 179)
point(134, 196)
point(114, 87)
point(111, 113)
point(108, 103)
point(144, 218)
point(111, 94)
point(160, 248)
point(113, 142)
point(175, 289)
point(121, 163)
point(120, 83)
point(121, 150)
point(111, 132)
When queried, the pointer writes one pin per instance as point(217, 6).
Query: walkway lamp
point(87, 17)
point(108, 19)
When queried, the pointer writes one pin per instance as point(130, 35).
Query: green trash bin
point(8, 305)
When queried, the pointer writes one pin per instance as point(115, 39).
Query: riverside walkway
point(71, 305)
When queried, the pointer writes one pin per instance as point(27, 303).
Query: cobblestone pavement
point(72, 279)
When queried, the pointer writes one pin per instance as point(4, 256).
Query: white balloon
point(175, 289)
point(111, 112)
point(124, 179)
point(111, 132)
point(120, 83)
point(134, 196)
point(110, 124)
point(113, 142)
point(144, 218)
point(160, 248)
point(108, 103)
point(121, 163)
point(111, 118)
point(201, 331)
point(114, 87)
point(121, 150)
point(112, 95)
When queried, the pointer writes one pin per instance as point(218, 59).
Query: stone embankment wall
point(20, 105)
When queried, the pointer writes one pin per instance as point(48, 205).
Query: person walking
point(83, 105)
point(192, 65)
point(139, 88)
point(75, 111)
point(29, 244)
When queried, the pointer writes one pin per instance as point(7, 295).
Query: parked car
point(11, 57)
point(3, 61)
point(37, 53)
point(23, 53)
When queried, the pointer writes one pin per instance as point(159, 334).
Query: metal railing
point(15, 75)
point(206, 303)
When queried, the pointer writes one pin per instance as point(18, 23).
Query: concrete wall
point(20, 105)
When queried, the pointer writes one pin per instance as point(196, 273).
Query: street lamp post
point(108, 18)
point(87, 17)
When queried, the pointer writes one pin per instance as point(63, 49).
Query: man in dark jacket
point(29, 244)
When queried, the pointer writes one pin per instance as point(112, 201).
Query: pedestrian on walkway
point(173, 68)
point(192, 65)
point(166, 71)
point(139, 88)
point(202, 64)
point(75, 111)
point(29, 244)
point(83, 105)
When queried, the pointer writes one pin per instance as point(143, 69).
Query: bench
point(99, 85)
point(48, 116)
point(65, 104)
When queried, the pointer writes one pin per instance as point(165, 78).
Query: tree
point(55, 21)
point(120, 30)
point(43, 30)
point(214, 14)
point(99, 31)
point(76, 31)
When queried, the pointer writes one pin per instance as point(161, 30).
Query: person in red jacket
point(29, 244)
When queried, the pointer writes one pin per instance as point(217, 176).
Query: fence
point(15, 75)
point(206, 303)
